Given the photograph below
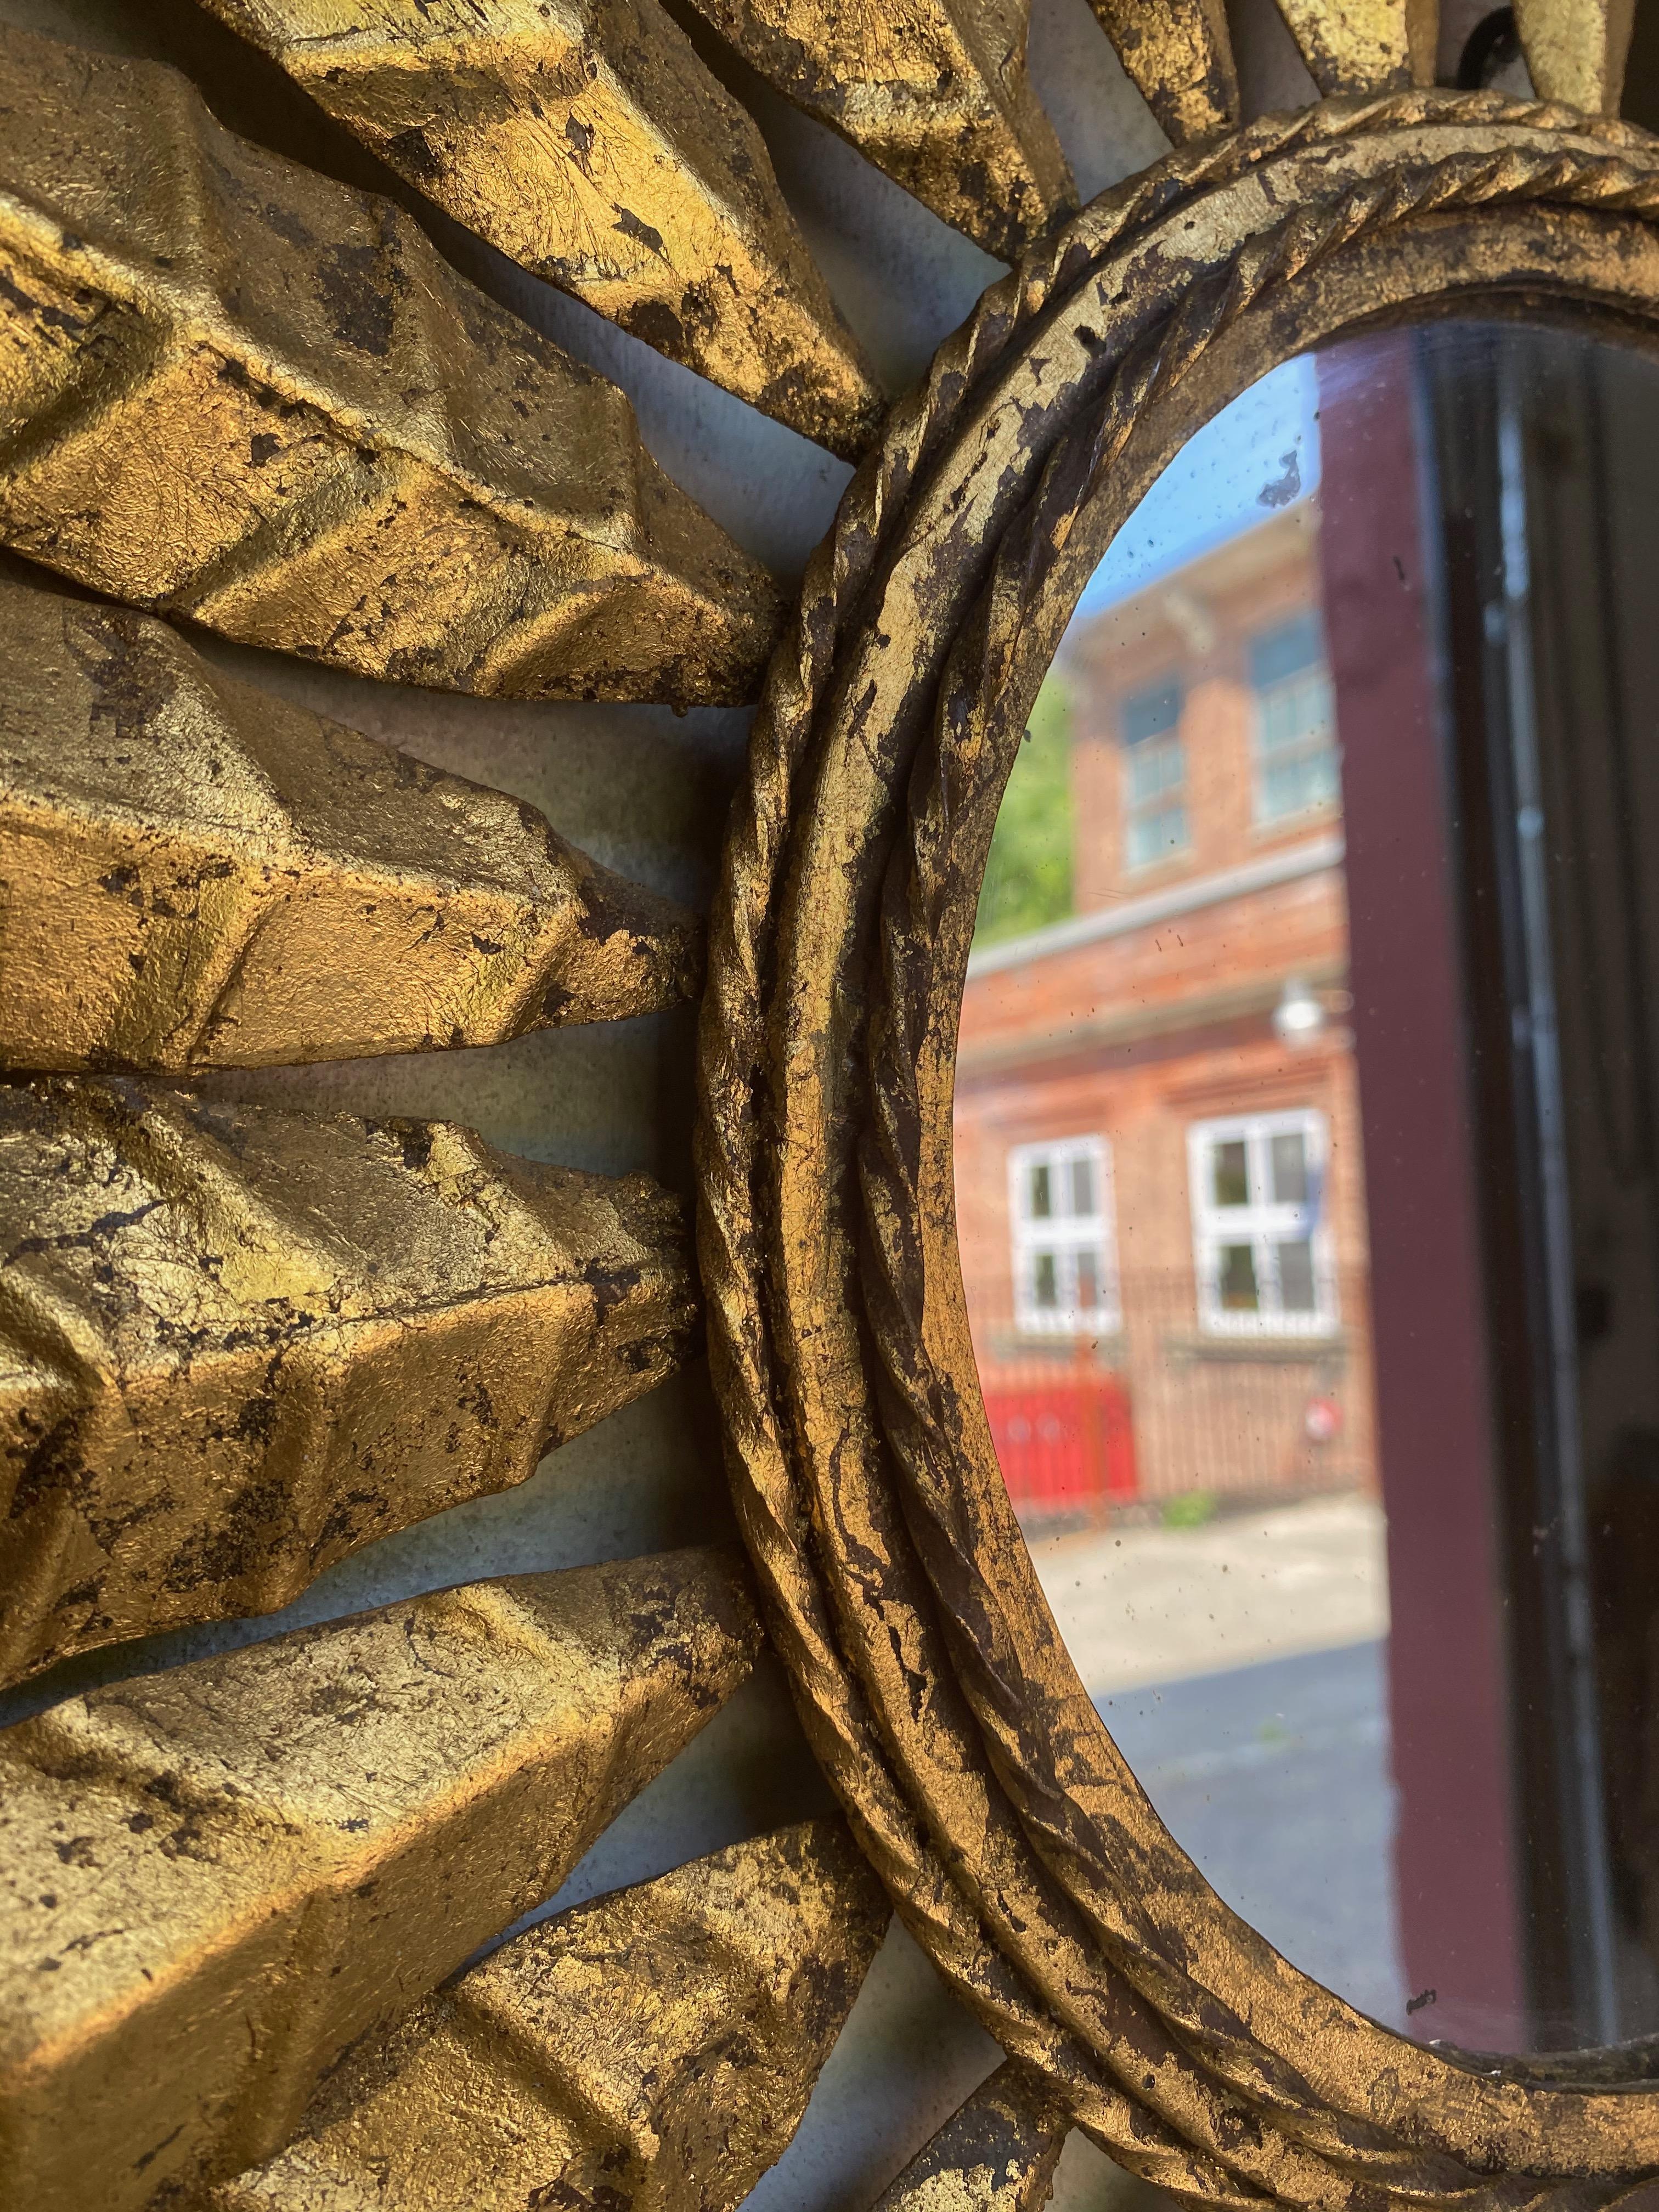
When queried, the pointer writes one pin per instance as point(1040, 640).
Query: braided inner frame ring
point(1017, 1845)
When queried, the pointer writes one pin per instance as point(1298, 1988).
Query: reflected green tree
point(1028, 878)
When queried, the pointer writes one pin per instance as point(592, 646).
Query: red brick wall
point(1212, 953)
point(1158, 636)
point(1207, 1415)
point(1135, 1037)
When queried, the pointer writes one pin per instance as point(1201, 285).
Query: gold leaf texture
point(651, 2050)
point(194, 874)
point(997, 2154)
point(233, 389)
point(1576, 50)
point(934, 92)
point(585, 139)
point(216, 1879)
point(237, 1343)
point(1366, 45)
point(1179, 54)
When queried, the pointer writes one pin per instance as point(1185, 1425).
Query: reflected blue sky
point(1257, 456)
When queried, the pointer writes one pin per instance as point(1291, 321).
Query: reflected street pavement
point(1275, 1778)
point(1267, 1760)
point(1151, 1605)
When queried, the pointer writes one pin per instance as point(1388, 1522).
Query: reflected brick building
point(1159, 1161)
point(1178, 1276)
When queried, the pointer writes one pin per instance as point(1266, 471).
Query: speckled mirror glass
point(1305, 1156)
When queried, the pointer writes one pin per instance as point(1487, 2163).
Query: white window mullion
point(1296, 760)
point(1262, 1252)
point(1063, 1237)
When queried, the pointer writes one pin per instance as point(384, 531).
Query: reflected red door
point(1065, 1448)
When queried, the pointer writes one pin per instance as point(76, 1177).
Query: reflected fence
point(1165, 1418)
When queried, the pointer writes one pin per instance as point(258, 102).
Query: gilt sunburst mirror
point(529, 1542)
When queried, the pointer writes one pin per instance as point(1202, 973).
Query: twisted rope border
point(1317, 2157)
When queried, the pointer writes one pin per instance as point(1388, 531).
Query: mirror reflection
point(1308, 1172)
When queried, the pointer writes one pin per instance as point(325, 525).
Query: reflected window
point(1154, 777)
point(1260, 1247)
point(1372, 1611)
point(1065, 1263)
point(1296, 755)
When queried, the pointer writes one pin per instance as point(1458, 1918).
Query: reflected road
point(1275, 1778)
point(1241, 1667)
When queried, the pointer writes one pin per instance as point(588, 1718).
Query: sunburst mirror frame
point(238, 1898)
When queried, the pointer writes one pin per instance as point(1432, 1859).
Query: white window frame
point(1063, 1237)
point(1315, 744)
point(1168, 804)
point(1262, 1223)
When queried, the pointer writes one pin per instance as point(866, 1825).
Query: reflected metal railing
point(1162, 1418)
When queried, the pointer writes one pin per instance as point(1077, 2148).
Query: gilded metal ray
point(195, 874)
point(217, 1878)
point(1366, 45)
point(652, 2051)
point(233, 389)
point(933, 92)
point(997, 2154)
point(585, 139)
point(1178, 53)
point(1576, 50)
point(236, 1344)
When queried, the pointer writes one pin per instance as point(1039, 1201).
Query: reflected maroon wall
point(1456, 1847)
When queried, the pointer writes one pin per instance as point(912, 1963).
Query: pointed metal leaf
point(935, 94)
point(194, 874)
point(216, 1879)
point(585, 139)
point(1366, 45)
point(236, 1344)
point(1576, 50)
point(650, 2050)
point(234, 389)
point(997, 2154)
point(1179, 54)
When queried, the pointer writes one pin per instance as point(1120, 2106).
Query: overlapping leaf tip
point(238, 1343)
point(1366, 45)
point(654, 2048)
point(935, 93)
point(195, 874)
point(1178, 53)
point(215, 1879)
point(585, 139)
point(1576, 50)
point(997, 2153)
point(234, 389)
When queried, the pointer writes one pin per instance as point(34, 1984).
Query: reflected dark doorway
point(1543, 466)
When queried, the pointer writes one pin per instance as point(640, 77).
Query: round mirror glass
point(1308, 1171)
